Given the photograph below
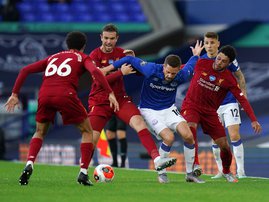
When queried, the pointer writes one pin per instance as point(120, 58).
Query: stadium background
point(32, 29)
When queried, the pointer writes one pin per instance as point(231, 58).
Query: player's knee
point(95, 138)
point(235, 136)
point(40, 132)
point(137, 123)
point(189, 138)
point(41, 129)
point(169, 139)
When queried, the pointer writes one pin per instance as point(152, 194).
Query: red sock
point(226, 158)
point(86, 150)
point(34, 147)
point(194, 133)
point(148, 142)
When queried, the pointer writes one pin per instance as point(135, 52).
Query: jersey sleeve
point(187, 71)
point(36, 67)
point(234, 66)
point(145, 68)
point(94, 57)
point(97, 75)
point(236, 91)
point(114, 76)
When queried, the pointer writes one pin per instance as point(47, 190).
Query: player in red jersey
point(58, 92)
point(209, 86)
point(100, 112)
point(104, 55)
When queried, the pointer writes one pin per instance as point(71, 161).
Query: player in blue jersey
point(157, 104)
point(229, 109)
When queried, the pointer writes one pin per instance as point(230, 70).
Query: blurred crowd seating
point(100, 11)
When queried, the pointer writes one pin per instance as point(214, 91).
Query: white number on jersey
point(52, 68)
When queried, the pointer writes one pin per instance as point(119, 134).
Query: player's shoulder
point(118, 51)
point(95, 52)
point(156, 68)
point(67, 53)
point(228, 74)
point(204, 56)
point(205, 61)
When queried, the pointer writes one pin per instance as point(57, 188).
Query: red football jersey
point(102, 59)
point(209, 87)
point(61, 73)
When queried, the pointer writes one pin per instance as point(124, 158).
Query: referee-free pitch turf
point(51, 183)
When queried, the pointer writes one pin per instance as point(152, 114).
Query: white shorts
point(229, 114)
point(157, 120)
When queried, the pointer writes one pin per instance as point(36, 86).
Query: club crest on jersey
point(173, 84)
point(212, 78)
point(110, 61)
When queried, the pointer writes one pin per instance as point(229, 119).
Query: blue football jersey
point(156, 92)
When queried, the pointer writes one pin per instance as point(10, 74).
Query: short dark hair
point(173, 60)
point(212, 35)
point(229, 51)
point(76, 40)
point(110, 28)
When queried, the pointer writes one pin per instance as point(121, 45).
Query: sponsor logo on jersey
point(165, 88)
point(216, 88)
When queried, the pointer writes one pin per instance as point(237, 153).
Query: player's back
point(62, 73)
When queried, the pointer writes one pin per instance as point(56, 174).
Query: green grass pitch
point(58, 183)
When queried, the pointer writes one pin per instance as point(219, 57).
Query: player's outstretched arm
point(256, 127)
point(12, 102)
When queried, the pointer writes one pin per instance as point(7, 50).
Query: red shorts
point(70, 107)
point(210, 123)
point(100, 114)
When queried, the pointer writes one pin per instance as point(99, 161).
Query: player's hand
point(127, 69)
point(113, 102)
point(197, 49)
point(256, 127)
point(128, 52)
point(106, 70)
point(12, 102)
